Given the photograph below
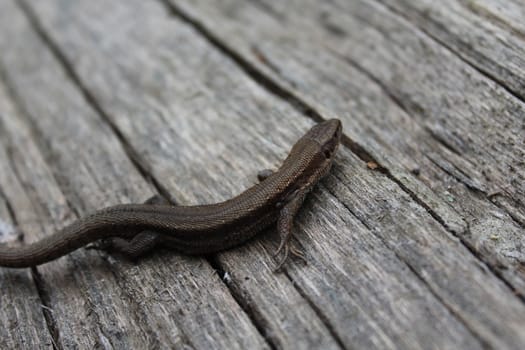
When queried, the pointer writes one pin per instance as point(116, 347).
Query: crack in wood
point(309, 111)
point(46, 309)
point(472, 249)
point(250, 70)
point(479, 192)
point(463, 57)
point(442, 301)
point(318, 312)
point(443, 142)
point(262, 79)
point(481, 11)
point(133, 156)
point(36, 135)
point(258, 321)
point(91, 100)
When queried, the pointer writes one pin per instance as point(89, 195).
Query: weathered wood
point(21, 308)
point(382, 271)
point(314, 332)
point(427, 116)
point(147, 83)
point(489, 34)
point(97, 303)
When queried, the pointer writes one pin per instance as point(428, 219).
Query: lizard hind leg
point(138, 246)
point(143, 242)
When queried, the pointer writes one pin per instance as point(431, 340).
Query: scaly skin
point(134, 229)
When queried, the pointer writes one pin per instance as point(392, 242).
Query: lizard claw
point(282, 244)
point(103, 244)
point(287, 248)
point(298, 253)
point(281, 262)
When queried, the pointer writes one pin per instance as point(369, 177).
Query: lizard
point(136, 229)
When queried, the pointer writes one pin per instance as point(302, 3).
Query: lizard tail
point(62, 242)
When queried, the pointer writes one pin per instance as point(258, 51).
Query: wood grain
point(490, 35)
point(71, 162)
point(121, 99)
point(21, 308)
point(451, 136)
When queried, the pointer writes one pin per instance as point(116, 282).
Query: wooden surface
point(105, 102)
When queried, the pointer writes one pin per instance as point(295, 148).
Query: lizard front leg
point(157, 199)
point(285, 227)
point(264, 174)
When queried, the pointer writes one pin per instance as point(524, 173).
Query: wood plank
point(411, 104)
point(98, 302)
point(488, 34)
point(21, 308)
point(188, 94)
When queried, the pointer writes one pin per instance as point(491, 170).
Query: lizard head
point(327, 135)
point(316, 150)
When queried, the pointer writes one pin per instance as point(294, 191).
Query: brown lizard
point(134, 229)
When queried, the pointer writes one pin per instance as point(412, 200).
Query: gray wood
point(71, 162)
point(21, 308)
point(489, 34)
point(361, 234)
point(447, 133)
point(382, 272)
point(313, 330)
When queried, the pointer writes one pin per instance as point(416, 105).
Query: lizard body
point(134, 229)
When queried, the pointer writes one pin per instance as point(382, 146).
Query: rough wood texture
point(489, 34)
point(93, 302)
point(109, 101)
point(21, 309)
point(448, 134)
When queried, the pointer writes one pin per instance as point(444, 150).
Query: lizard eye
point(327, 153)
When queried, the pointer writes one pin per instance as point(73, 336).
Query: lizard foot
point(103, 244)
point(287, 248)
